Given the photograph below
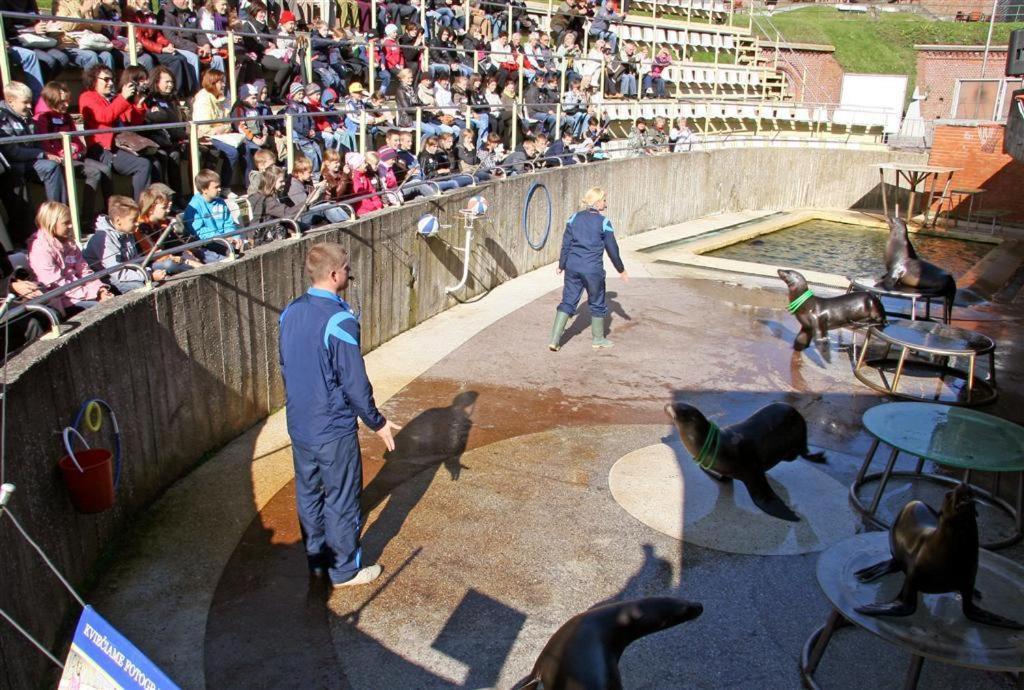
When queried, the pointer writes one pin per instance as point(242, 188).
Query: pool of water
point(847, 249)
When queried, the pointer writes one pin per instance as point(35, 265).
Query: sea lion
point(745, 451)
point(818, 315)
point(938, 553)
point(584, 653)
point(904, 268)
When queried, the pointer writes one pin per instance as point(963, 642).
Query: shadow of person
point(581, 323)
point(433, 439)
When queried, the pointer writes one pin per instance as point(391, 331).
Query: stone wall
point(191, 365)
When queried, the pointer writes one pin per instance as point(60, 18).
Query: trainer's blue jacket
point(325, 381)
point(588, 235)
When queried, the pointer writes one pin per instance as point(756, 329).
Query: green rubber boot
point(597, 331)
point(561, 319)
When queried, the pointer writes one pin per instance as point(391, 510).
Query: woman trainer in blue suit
point(588, 235)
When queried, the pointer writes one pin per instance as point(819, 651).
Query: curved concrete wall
point(191, 365)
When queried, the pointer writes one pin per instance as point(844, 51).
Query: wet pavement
point(494, 520)
point(526, 487)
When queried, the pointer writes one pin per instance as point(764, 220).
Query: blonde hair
point(155, 193)
point(324, 258)
point(50, 215)
point(302, 165)
point(592, 196)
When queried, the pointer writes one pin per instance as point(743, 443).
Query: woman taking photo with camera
point(102, 106)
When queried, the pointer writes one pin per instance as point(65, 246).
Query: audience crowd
point(455, 76)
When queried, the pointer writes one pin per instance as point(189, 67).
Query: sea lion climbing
point(938, 553)
point(584, 653)
point(818, 315)
point(904, 268)
point(745, 451)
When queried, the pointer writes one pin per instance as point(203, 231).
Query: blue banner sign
point(101, 658)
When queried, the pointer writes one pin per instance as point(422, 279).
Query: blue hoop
point(526, 209)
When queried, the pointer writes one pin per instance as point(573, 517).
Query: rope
point(526, 208)
point(799, 301)
point(34, 641)
point(39, 550)
point(705, 459)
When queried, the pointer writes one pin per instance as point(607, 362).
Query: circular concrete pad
point(661, 486)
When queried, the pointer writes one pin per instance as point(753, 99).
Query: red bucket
point(89, 476)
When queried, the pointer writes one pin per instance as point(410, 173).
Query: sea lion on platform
point(818, 315)
point(745, 451)
point(584, 653)
point(938, 553)
point(904, 268)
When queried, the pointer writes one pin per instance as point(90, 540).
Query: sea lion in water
point(938, 553)
point(904, 268)
point(818, 315)
point(584, 653)
point(745, 451)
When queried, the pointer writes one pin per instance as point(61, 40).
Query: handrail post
point(308, 57)
point(133, 46)
point(193, 149)
point(550, 3)
point(465, 15)
point(5, 62)
point(372, 81)
point(558, 120)
point(362, 132)
point(515, 121)
point(520, 70)
point(289, 130)
point(69, 181)
point(373, 19)
point(469, 119)
point(600, 79)
point(232, 77)
point(510, 20)
point(419, 129)
point(423, 16)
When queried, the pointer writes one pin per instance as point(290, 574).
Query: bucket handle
point(84, 415)
point(68, 446)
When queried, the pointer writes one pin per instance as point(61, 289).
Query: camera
point(142, 88)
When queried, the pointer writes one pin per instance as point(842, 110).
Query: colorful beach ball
point(477, 205)
point(427, 225)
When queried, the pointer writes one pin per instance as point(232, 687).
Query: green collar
point(709, 451)
point(799, 301)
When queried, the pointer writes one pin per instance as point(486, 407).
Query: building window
point(983, 99)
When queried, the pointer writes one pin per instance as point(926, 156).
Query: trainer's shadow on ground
point(581, 322)
point(434, 439)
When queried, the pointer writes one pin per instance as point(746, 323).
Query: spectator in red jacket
point(101, 109)
point(156, 44)
point(55, 119)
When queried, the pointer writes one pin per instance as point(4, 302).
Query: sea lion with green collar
point(818, 315)
point(748, 449)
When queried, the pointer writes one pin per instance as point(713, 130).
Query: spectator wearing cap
point(304, 131)
point(354, 107)
point(392, 59)
point(266, 52)
point(364, 184)
point(276, 128)
point(332, 127)
point(251, 126)
point(208, 104)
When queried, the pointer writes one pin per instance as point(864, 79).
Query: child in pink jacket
point(56, 260)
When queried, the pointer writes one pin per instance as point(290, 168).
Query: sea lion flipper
point(765, 498)
point(979, 615)
point(813, 457)
point(873, 572)
point(896, 607)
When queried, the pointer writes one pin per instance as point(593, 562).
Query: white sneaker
point(363, 577)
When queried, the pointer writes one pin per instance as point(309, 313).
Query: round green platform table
point(937, 631)
point(954, 437)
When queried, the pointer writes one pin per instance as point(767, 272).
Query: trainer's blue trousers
point(575, 284)
point(328, 483)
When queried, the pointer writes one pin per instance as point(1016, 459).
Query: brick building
point(818, 62)
point(951, 80)
point(978, 151)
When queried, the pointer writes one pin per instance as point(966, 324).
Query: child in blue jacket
point(207, 216)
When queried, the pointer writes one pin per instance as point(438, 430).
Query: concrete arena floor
point(494, 521)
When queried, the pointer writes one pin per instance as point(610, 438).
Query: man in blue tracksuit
point(588, 235)
point(326, 389)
